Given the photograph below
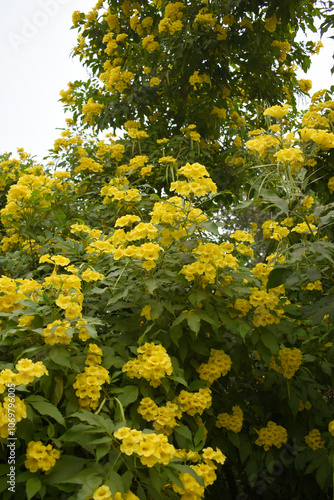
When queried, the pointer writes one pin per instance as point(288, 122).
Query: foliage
point(156, 351)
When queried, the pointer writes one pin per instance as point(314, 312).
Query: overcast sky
point(35, 61)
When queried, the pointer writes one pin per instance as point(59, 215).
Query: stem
point(100, 407)
point(120, 408)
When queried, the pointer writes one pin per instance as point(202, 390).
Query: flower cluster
point(90, 275)
point(265, 304)
point(151, 448)
point(178, 215)
point(152, 364)
point(22, 198)
point(190, 487)
point(274, 231)
point(91, 109)
point(40, 456)
point(19, 412)
point(103, 493)
point(199, 183)
point(116, 191)
point(331, 427)
point(69, 299)
point(272, 435)
point(12, 291)
point(304, 406)
point(211, 258)
point(27, 371)
point(290, 362)
point(314, 441)
point(233, 422)
point(194, 402)
point(197, 79)
point(88, 164)
point(218, 365)
point(88, 384)
point(164, 417)
point(56, 333)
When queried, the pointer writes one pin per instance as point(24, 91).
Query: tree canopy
point(166, 294)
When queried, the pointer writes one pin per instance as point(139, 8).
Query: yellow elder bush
point(157, 349)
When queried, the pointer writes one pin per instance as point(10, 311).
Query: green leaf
point(313, 274)
point(264, 352)
point(297, 253)
point(234, 438)
point(244, 328)
point(91, 330)
point(175, 334)
point(326, 368)
point(58, 388)
point(151, 285)
point(252, 471)
point(280, 203)
point(277, 277)
point(60, 356)
point(64, 470)
point(293, 403)
point(178, 379)
point(184, 431)
point(127, 479)
point(270, 341)
point(245, 449)
point(156, 479)
point(194, 322)
point(114, 482)
point(45, 408)
point(180, 318)
point(189, 470)
point(156, 309)
point(293, 278)
point(211, 227)
point(128, 395)
point(33, 485)
point(173, 477)
point(317, 462)
point(324, 474)
point(270, 461)
point(199, 435)
point(99, 421)
point(102, 449)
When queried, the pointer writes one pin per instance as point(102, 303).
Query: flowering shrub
point(156, 351)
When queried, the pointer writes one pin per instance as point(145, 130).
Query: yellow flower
point(290, 155)
point(314, 441)
point(90, 109)
point(331, 427)
point(233, 422)
point(219, 364)
point(152, 364)
point(40, 456)
point(146, 311)
point(272, 435)
point(278, 111)
point(154, 81)
point(271, 23)
point(305, 85)
point(102, 493)
point(149, 43)
point(331, 185)
point(90, 275)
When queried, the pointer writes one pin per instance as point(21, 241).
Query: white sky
point(35, 46)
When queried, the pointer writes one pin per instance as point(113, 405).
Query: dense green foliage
point(166, 297)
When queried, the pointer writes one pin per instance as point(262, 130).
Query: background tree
point(157, 350)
